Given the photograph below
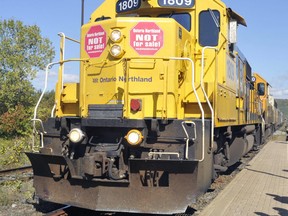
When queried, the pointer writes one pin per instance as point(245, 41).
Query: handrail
point(49, 66)
point(126, 85)
point(62, 58)
point(61, 67)
point(205, 94)
point(43, 92)
point(165, 93)
point(62, 55)
point(187, 136)
point(198, 101)
point(61, 34)
point(41, 141)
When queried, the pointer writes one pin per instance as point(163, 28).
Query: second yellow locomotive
point(165, 101)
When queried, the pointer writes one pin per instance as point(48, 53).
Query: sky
point(263, 42)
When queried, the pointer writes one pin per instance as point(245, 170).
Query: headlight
point(134, 137)
point(116, 35)
point(116, 51)
point(76, 135)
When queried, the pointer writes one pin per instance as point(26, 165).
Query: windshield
point(183, 19)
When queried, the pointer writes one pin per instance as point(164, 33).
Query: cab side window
point(209, 27)
point(261, 89)
point(183, 19)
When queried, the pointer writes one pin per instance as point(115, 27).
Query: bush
point(16, 122)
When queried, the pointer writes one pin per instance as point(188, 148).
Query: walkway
point(259, 189)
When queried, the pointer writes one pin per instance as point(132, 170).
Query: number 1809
point(128, 5)
point(178, 2)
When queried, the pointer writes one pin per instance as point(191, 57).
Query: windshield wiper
point(214, 18)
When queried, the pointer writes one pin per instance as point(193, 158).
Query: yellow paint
point(263, 98)
point(163, 84)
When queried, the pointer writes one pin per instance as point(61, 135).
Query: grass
point(15, 191)
point(12, 153)
point(12, 156)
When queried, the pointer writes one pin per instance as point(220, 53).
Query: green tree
point(23, 52)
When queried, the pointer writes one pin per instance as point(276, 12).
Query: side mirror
point(232, 31)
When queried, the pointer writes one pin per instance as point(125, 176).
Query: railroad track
point(74, 211)
point(16, 170)
point(24, 173)
point(64, 211)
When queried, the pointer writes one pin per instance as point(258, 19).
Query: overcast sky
point(264, 42)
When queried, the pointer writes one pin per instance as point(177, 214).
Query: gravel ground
point(17, 196)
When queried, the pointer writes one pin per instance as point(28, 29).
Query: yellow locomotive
point(165, 101)
point(272, 116)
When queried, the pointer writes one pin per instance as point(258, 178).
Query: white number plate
point(127, 5)
point(176, 3)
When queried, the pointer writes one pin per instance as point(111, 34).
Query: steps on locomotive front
point(261, 188)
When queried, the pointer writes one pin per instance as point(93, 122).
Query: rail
point(63, 211)
point(24, 173)
point(23, 168)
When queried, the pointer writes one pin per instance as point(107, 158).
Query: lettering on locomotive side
point(122, 79)
point(135, 79)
